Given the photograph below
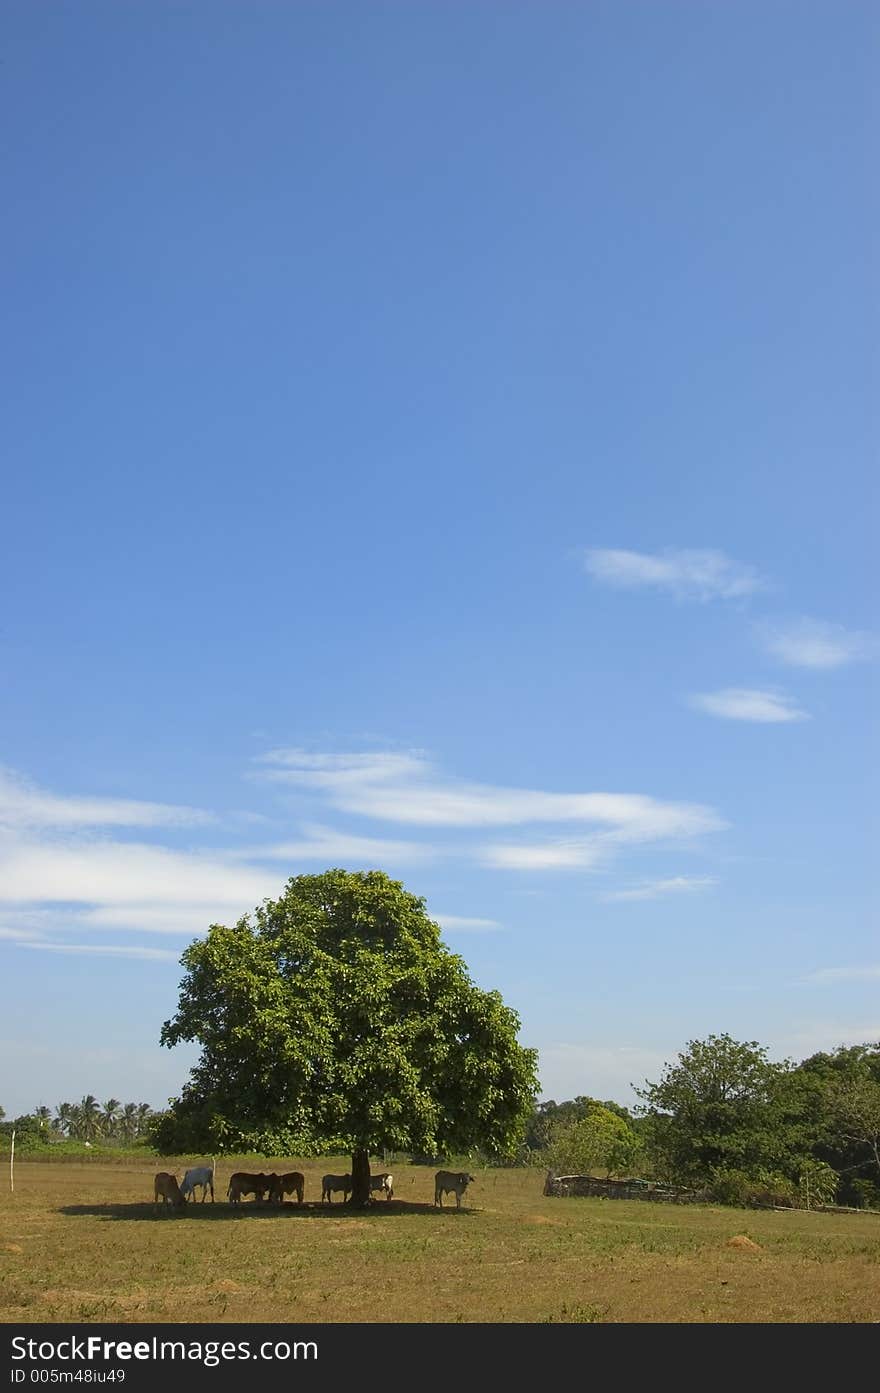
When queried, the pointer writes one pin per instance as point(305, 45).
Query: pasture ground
point(80, 1242)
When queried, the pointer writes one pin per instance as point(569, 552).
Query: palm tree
point(62, 1118)
point(89, 1117)
point(128, 1121)
point(144, 1112)
point(43, 1115)
point(110, 1117)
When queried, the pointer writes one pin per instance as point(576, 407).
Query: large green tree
point(841, 1093)
point(336, 1017)
point(600, 1140)
point(721, 1105)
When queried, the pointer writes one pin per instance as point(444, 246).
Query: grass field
point(80, 1242)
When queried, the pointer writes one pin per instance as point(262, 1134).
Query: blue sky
point(440, 437)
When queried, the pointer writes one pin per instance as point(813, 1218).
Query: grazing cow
point(293, 1183)
point(199, 1175)
point(166, 1189)
point(246, 1183)
point(332, 1183)
point(450, 1182)
point(383, 1183)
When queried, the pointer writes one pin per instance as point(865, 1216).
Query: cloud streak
point(23, 804)
point(870, 973)
point(326, 845)
point(811, 643)
point(658, 889)
point(407, 789)
point(103, 950)
point(686, 574)
point(66, 880)
point(748, 704)
point(457, 923)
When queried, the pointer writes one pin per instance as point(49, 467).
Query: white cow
point(199, 1175)
point(384, 1183)
point(331, 1184)
point(451, 1182)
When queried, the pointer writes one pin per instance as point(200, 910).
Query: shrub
point(744, 1188)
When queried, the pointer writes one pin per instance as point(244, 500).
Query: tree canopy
point(719, 1106)
point(600, 1139)
point(335, 1017)
point(724, 1114)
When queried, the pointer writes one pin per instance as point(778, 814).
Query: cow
point(166, 1188)
point(246, 1183)
point(199, 1175)
point(332, 1183)
point(451, 1182)
point(384, 1183)
point(291, 1183)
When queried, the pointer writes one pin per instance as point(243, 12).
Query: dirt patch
point(67, 1294)
point(743, 1243)
point(543, 1219)
point(12, 1248)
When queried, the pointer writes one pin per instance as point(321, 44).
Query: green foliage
point(864, 1194)
point(763, 1132)
point(722, 1106)
point(68, 1131)
point(817, 1183)
point(30, 1136)
point(728, 1185)
point(842, 1089)
point(600, 1141)
point(550, 1117)
point(337, 1018)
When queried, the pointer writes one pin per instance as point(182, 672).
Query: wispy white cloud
point(63, 885)
point(175, 919)
point(828, 1035)
point(545, 856)
point(406, 788)
point(23, 804)
point(332, 848)
point(868, 973)
point(65, 878)
point(124, 873)
point(686, 574)
point(14, 935)
point(601, 1071)
point(657, 889)
point(748, 704)
point(103, 950)
point(457, 923)
point(812, 643)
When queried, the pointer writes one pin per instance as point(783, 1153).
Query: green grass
point(81, 1242)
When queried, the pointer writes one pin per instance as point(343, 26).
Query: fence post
point(12, 1164)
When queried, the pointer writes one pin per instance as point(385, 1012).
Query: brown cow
point(166, 1188)
point(246, 1183)
point(293, 1183)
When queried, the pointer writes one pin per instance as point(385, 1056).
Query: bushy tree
point(840, 1093)
point(601, 1140)
point(721, 1106)
point(336, 1017)
point(549, 1117)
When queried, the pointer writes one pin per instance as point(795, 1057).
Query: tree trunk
point(360, 1178)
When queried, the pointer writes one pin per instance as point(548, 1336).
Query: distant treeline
point(722, 1118)
point(725, 1119)
point(114, 1123)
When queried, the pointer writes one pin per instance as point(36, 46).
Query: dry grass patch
point(97, 1252)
